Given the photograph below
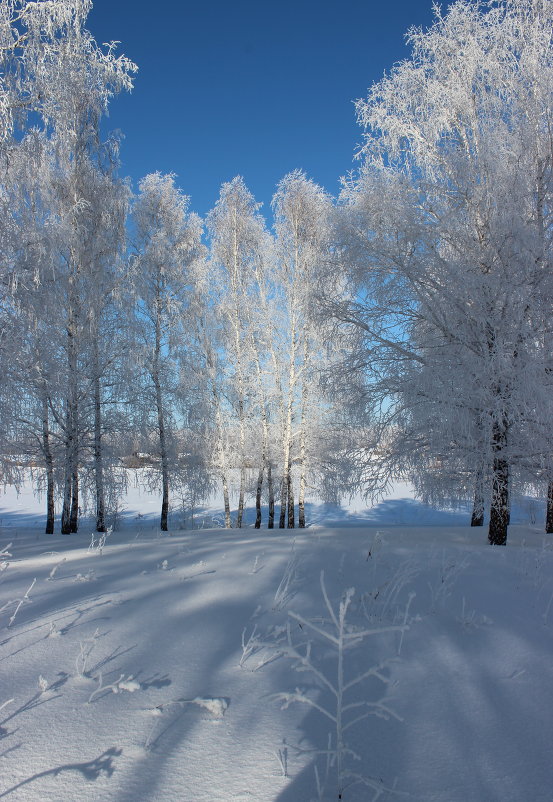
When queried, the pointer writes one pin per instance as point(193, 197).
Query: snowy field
point(157, 668)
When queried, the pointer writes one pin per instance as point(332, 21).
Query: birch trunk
point(74, 517)
point(549, 515)
point(499, 512)
point(49, 463)
point(277, 378)
point(70, 512)
point(226, 501)
point(156, 380)
point(290, 493)
point(303, 423)
point(258, 490)
point(477, 517)
point(265, 462)
point(222, 460)
point(98, 448)
point(286, 495)
point(236, 322)
point(66, 508)
point(241, 492)
point(271, 521)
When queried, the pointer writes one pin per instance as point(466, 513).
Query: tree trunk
point(271, 521)
point(161, 423)
point(477, 517)
point(241, 493)
point(283, 501)
point(70, 512)
point(226, 502)
point(74, 517)
point(303, 423)
point(222, 457)
point(242, 424)
point(499, 512)
point(98, 452)
point(66, 508)
point(301, 502)
point(164, 461)
point(287, 496)
point(549, 516)
point(290, 490)
point(258, 498)
point(265, 458)
point(49, 463)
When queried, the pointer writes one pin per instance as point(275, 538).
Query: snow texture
point(163, 676)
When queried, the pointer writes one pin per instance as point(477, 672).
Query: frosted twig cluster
point(441, 589)
point(56, 567)
point(342, 710)
point(18, 603)
point(287, 586)
point(86, 647)
point(122, 684)
point(97, 544)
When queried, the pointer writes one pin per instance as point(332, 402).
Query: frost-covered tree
point(50, 238)
point(446, 234)
point(237, 237)
point(166, 242)
point(301, 210)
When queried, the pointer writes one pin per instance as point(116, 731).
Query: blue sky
point(249, 88)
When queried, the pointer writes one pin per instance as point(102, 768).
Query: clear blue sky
point(249, 87)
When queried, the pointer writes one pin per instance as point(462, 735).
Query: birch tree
point(301, 210)
point(237, 236)
point(166, 243)
point(54, 69)
point(449, 231)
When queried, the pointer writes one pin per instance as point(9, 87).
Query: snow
point(162, 668)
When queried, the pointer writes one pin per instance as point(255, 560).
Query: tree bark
point(164, 461)
point(70, 512)
point(161, 422)
point(258, 490)
point(499, 511)
point(98, 450)
point(290, 492)
point(66, 508)
point(74, 517)
point(549, 515)
point(303, 423)
point(241, 493)
point(283, 503)
point(271, 520)
point(477, 517)
point(287, 496)
point(220, 445)
point(241, 417)
point(49, 463)
point(226, 502)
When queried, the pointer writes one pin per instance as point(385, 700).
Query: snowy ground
point(150, 669)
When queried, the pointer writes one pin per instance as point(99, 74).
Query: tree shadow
point(91, 770)
point(155, 681)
